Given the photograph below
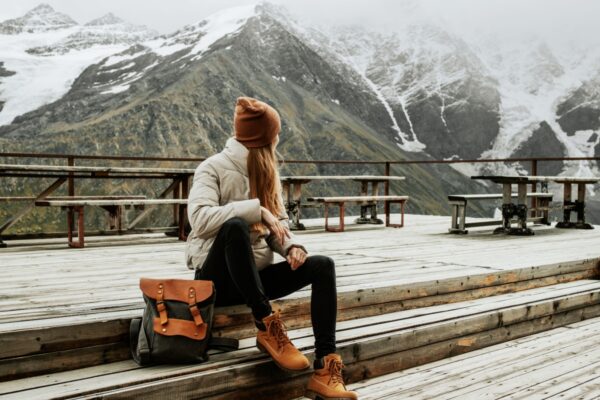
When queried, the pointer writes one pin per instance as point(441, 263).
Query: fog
point(552, 20)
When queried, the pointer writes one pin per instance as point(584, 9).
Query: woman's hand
point(296, 257)
point(274, 225)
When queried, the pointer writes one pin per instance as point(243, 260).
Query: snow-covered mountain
point(42, 18)
point(479, 96)
point(43, 52)
point(439, 94)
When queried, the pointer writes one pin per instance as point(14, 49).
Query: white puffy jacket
point(219, 192)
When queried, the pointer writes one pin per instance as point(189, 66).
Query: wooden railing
point(72, 160)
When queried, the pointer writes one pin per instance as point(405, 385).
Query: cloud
point(551, 19)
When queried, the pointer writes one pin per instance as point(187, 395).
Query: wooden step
point(563, 363)
point(45, 343)
point(370, 346)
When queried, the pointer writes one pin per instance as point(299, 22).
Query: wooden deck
point(64, 309)
point(563, 363)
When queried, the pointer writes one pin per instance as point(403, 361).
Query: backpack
point(176, 325)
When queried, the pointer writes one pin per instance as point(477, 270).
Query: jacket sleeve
point(288, 243)
point(205, 214)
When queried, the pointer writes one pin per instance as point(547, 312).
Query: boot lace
point(335, 372)
point(278, 330)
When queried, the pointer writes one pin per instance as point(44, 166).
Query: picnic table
point(519, 209)
point(292, 194)
point(179, 188)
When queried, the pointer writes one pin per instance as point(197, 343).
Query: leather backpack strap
point(193, 307)
point(160, 305)
point(223, 343)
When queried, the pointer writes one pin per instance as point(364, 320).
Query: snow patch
point(221, 24)
point(112, 60)
point(116, 89)
point(39, 80)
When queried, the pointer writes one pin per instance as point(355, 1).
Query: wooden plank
point(489, 196)
point(487, 366)
point(514, 311)
point(356, 198)
point(458, 283)
point(343, 177)
point(370, 293)
point(116, 202)
point(63, 168)
point(114, 197)
point(468, 366)
point(372, 355)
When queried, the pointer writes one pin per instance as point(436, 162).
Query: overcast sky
point(575, 19)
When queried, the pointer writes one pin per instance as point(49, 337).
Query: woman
point(236, 212)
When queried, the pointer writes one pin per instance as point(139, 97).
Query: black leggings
point(230, 265)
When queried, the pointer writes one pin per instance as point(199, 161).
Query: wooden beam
point(149, 209)
point(16, 217)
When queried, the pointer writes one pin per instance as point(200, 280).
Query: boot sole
point(264, 350)
point(316, 396)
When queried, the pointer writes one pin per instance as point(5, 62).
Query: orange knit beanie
point(256, 123)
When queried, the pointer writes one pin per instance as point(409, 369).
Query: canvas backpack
point(176, 324)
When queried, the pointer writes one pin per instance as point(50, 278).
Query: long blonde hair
point(263, 176)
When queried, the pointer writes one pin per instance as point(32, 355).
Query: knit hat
point(256, 123)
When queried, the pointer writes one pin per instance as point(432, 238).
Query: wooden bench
point(459, 206)
point(115, 210)
point(365, 203)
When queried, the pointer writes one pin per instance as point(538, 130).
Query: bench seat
point(115, 210)
point(493, 196)
point(32, 198)
point(365, 202)
point(459, 205)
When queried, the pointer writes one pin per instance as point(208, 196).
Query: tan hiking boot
point(327, 383)
point(275, 342)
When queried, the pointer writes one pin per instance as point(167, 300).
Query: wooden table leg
point(507, 207)
point(568, 206)
point(364, 191)
point(297, 199)
point(183, 220)
point(510, 210)
point(522, 210)
point(387, 216)
point(80, 242)
point(340, 227)
point(374, 192)
point(580, 208)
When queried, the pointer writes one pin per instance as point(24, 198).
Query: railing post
point(386, 189)
point(71, 193)
point(534, 202)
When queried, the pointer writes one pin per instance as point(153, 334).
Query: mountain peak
point(106, 19)
point(41, 9)
point(42, 18)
